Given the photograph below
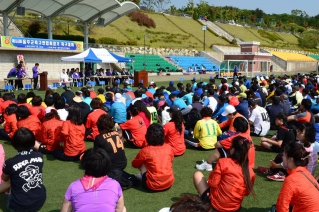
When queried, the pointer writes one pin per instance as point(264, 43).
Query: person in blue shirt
point(151, 88)
point(242, 107)
point(305, 93)
point(177, 101)
point(222, 104)
point(247, 82)
point(118, 110)
point(194, 83)
point(199, 89)
point(315, 105)
point(188, 98)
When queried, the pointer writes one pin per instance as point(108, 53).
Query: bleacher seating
point(314, 56)
point(153, 63)
point(293, 56)
point(196, 63)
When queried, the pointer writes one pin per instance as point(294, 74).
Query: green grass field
point(57, 176)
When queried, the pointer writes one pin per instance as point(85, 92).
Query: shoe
point(204, 166)
point(264, 170)
point(277, 177)
point(139, 176)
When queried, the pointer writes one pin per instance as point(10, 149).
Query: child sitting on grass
point(24, 172)
point(155, 161)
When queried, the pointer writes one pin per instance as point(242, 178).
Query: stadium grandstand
point(196, 63)
point(287, 56)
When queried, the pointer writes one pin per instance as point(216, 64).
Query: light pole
point(144, 64)
point(204, 28)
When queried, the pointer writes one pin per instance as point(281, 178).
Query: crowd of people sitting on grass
point(163, 122)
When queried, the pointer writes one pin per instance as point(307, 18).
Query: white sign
point(204, 27)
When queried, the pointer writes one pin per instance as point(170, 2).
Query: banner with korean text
point(39, 43)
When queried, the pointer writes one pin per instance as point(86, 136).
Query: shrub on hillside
point(142, 19)
point(34, 28)
point(106, 40)
point(65, 37)
point(271, 36)
point(309, 40)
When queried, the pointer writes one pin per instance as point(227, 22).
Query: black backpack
point(191, 118)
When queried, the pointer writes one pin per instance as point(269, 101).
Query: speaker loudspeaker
point(20, 10)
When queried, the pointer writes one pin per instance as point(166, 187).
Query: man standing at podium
point(35, 71)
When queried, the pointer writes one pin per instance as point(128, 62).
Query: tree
point(147, 4)
point(161, 4)
point(308, 40)
point(259, 13)
point(34, 28)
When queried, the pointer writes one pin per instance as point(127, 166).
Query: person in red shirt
point(300, 188)
point(22, 100)
point(134, 130)
point(25, 119)
point(10, 124)
point(73, 131)
point(174, 131)
point(231, 180)
point(155, 161)
point(37, 109)
point(6, 102)
point(223, 147)
point(143, 112)
point(92, 129)
point(51, 133)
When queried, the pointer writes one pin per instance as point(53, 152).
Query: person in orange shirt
point(10, 124)
point(155, 161)
point(25, 119)
point(174, 131)
point(300, 190)
point(22, 100)
point(134, 130)
point(143, 112)
point(6, 102)
point(37, 109)
point(73, 131)
point(92, 129)
point(231, 180)
point(51, 133)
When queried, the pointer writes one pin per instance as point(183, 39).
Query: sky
point(268, 6)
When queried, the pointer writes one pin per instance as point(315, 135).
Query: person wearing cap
point(91, 123)
point(288, 86)
point(115, 88)
point(222, 104)
point(210, 101)
point(171, 87)
point(101, 95)
point(174, 131)
point(177, 101)
point(205, 131)
point(68, 95)
point(35, 71)
point(227, 125)
point(242, 107)
point(195, 104)
point(258, 120)
point(83, 107)
point(118, 109)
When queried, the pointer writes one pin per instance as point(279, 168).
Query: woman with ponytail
point(300, 190)
point(174, 131)
point(231, 180)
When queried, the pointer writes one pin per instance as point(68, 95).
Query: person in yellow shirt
point(205, 131)
point(101, 95)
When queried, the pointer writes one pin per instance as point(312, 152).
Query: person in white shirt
point(212, 102)
point(259, 119)
point(64, 78)
point(288, 86)
point(162, 106)
point(60, 107)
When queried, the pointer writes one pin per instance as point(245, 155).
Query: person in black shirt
point(68, 95)
point(171, 87)
point(283, 137)
point(25, 174)
point(110, 141)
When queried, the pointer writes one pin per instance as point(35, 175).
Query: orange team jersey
point(5, 104)
point(298, 191)
point(149, 94)
point(26, 104)
point(33, 124)
point(74, 138)
point(227, 185)
point(226, 143)
point(131, 94)
point(174, 138)
point(303, 118)
point(138, 129)
point(229, 123)
point(38, 111)
point(92, 94)
point(11, 124)
point(91, 122)
point(51, 134)
point(158, 162)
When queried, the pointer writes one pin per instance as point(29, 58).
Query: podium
point(139, 76)
point(43, 81)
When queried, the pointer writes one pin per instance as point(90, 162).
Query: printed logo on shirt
point(32, 177)
point(21, 164)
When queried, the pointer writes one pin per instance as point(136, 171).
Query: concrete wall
point(210, 57)
point(280, 62)
point(49, 61)
point(294, 66)
point(224, 49)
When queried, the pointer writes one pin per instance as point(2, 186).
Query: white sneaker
point(204, 166)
